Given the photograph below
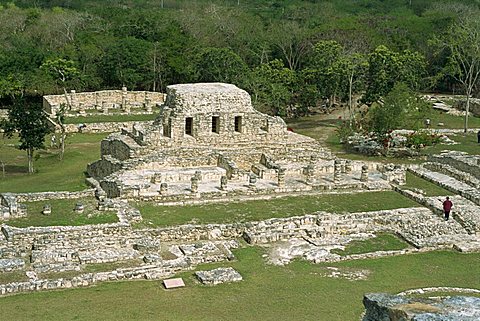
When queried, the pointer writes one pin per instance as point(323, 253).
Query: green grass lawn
point(429, 188)
point(467, 143)
point(381, 242)
point(63, 214)
point(297, 291)
point(264, 209)
point(109, 118)
point(451, 121)
point(52, 174)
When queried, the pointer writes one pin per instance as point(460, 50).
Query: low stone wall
point(44, 196)
point(104, 127)
point(159, 271)
point(474, 105)
point(461, 161)
point(28, 234)
point(104, 99)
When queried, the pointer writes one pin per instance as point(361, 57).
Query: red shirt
point(447, 205)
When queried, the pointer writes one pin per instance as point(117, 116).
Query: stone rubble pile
point(218, 276)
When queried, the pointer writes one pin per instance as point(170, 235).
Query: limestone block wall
point(465, 163)
point(474, 105)
point(207, 97)
point(117, 147)
point(103, 167)
point(111, 188)
point(94, 100)
point(44, 196)
point(104, 127)
point(152, 271)
point(26, 236)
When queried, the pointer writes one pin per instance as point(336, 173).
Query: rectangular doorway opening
point(238, 124)
point(189, 126)
point(215, 124)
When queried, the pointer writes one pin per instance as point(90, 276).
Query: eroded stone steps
point(453, 172)
point(448, 183)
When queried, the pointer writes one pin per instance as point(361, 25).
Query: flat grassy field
point(467, 143)
point(451, 121)
point(381, 242)
point(63, 214)
point(298, 291)
point(264, 209)
point(52, 174)
point(108, 118)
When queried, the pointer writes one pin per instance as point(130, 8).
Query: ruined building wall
point(97, 99)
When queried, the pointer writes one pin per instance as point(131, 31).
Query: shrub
point(422, 138)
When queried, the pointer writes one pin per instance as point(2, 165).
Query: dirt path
point(320, 126)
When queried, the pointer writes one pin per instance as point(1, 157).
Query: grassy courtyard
point(264, 209)
point(51, 173)
point(381, 242)
point(298, 291)
point(63, 214)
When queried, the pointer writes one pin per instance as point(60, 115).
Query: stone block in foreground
point(217, 276)
point(386, 307)
point(173, 283)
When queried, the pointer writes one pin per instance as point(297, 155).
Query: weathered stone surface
point(218, 276)
point(211, 130)
point(385, 307)
point(89, 102)
point(173, 283)
point(7, 265)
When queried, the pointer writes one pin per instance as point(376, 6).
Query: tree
point(127, 63)
point(272, 86)
point(292, 41)
point(61, 70)
point(221, 64)
point(354, 66)
point(402, 108)
point(462, 42)
point(325, 69)
point(10, 87)
point(387, 67)
point(31, 124)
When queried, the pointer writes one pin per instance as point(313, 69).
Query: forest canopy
point(268, 47)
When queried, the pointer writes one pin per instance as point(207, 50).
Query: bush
point(422, 138)
point(344, 131)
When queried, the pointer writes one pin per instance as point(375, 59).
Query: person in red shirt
point(447, 207)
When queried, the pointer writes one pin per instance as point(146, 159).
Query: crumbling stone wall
point(100, 100)
point(105, 127)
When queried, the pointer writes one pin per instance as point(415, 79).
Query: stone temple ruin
point(209, 142)
point(106, 101)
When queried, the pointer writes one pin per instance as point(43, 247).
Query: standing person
point(478, 136)
point(447, 207)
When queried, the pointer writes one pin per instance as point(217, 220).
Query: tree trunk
point(350, 107)
point(62, 143)
point(155, 64)
point(30, 160)
point(467, 109)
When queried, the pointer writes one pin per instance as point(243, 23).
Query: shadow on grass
point(15, 169)
point(313, 124)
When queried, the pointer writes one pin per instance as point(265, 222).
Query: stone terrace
point(208, 142)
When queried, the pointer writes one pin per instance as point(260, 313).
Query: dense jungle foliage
point(289, 54)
